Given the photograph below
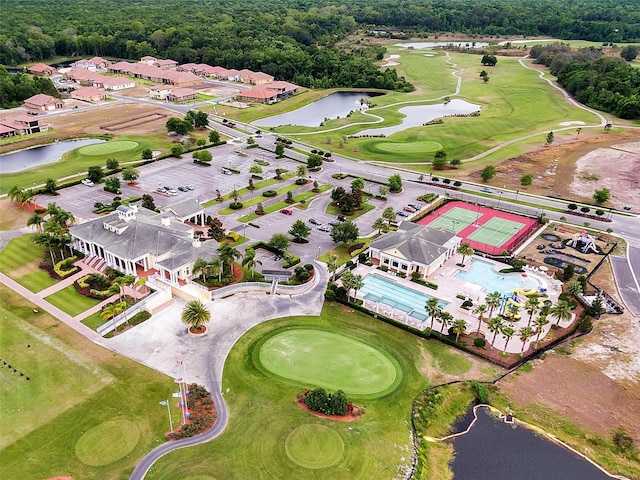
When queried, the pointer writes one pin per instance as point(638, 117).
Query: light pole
point(166, 403)
point(499, 198)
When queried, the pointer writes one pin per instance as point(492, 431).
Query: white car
point(88, 183)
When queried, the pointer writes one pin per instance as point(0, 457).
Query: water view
point(493, 450)
point(33, 157)
point(336, 105)
point(419, 115)
point(419, 45)
point(483, 273)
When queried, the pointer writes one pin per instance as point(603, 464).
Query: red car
point(286, 211)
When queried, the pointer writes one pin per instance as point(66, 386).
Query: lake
point(36, 156)
point(420, 45)
point(336, 105)
point(494, 450)
point(419, 115)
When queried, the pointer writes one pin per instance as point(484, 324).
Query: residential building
point(43, 103)
point(117, 83)
point(21, 125)
point(181, 94)
point(135, 240)
point(42, 69)
point(414, 248)
point(268, 92)
point(160, 92)
point(90, 94)
point(91, 64)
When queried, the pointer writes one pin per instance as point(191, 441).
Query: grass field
point(20, 260)
point(70, 301)
point(108, 148)
point(85, 412)
point(262, 409)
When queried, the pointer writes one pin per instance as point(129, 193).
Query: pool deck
point(448, 287)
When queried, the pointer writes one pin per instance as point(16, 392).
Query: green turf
point(332, 361)
point(420, 146)
point(70, 301)
point(496, 231)
point(20, 260)
point(456, 219)
point(314, 446)
point(107, 148)
point(93, 321)
point(75, 387)
point(107, 442)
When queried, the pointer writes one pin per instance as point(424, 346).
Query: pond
point(419, 115)
point(36, 156)
point(336, 105)
point(494, 450)
point(420, 45)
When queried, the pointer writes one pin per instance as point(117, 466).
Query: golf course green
point(107, 442)
point(314, 446)
point(108, 148)
point(328, 360)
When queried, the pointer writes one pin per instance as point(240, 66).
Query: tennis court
point(496, 231)
point(456, 219)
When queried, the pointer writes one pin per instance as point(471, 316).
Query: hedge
point(65, 267)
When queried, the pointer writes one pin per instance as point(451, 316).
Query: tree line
point(603, 82)
point(16, 88)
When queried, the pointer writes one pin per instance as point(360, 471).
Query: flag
point(163, 403)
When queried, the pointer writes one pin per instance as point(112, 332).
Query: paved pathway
point(627, 283)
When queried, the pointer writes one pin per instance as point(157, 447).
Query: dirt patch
point(479, 370)
point(12, 216)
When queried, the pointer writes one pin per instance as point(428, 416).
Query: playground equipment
point(588, 241)
point(513, 301)
point(526, 293)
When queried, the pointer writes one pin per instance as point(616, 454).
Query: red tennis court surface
point(485, 229)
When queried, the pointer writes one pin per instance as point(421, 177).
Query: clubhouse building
point(136, 240)
point(414, 248)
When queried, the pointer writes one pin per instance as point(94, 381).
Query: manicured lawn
point(76, 389)
point(93, 321)
point(70, 301)
point(107, 148)
point(19, 260)
point(342, 251)
point(304, 196)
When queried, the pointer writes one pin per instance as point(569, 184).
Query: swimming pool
point(482, 273)
point(383, 290)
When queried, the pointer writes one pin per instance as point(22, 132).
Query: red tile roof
point(41, 67)
point(88, 92)
point(41, 99)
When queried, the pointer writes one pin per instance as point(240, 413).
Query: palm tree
point(465, 250)
point(358, 282)
point(507, 333)
point(14, 193)
point(124, 281)
point(495, 325)
point(200, 267)
point(250, 261)
point(561, 311)
point(108, 312)
point(574, 287)
point(459, 327)
point(216, 265)
point(433, 310)
point(228, 254)
point(480, 310)
point(347, 282)
point(196, 314)
point(493, 300)
point(379, 224)
point(389, 214)
point(36, 220)
point(445, 320)
point(525, 334)
point(513, 310)
point(531, 307)
point(540, 322)
point(301, 171)
point(332, 265)
point(140, 282)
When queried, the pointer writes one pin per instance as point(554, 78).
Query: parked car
point(409, 208)
point(402, 213)
point(189, 187)
point(88, 182)
point(161, 190)
point(183, 189)
point(417, 206)
point(314, 221)
point(170, 189)
point(286, 211)
point(333, 223)
point(342, 218)
point(226, 172)
point(324, 228)
point(486, 190)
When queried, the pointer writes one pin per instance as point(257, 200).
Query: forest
point(608, 83)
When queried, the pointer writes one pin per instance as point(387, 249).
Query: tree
point(540, 322)
point(507, 334)
point(484, 76)
point(489, 60)
point(332, 264)
point(300, 231)
point(314, 161)
point(574, 287)
point(525, 333)
point(445, 320)
point(147, 154)
point(531, 307)
point(347, 280)
point(379, 224)
point(607, 128)
point(95, 174)
point(493, 301)
point(459, 327)
point(228, 254)
point(259, 209)
point(203, 156)
point(50, 186)
point(389, 214)
point(200, 267)
point(216, 266)
point(177, 150)
point(561, 311)
point(112, 163)
point(488, 173)
point(301, 171)
point(433, 309)
point(439, 159)
point(195, 314)
point(130, 174)
point(357, 184)
point(279, 242)
point(495, 326)
point(255, 170)
point(279, 150)
point(526, 180)
point(37, 220)
point(480, 310)
point(346, 232)
point(395, 183)
point(630, 52)
point(214, 136)
point(148, 202)
point(200, 119)
point(216, 230)
point(249, 260)
point(382, 190)
point(602, 196)
point(465, 250)
point(112, 184)
point(550, 138)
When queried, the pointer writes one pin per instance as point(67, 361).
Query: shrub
point(308, 267)
point(65, 267)
point(301, 181)
point(479, 342)
point(235, 205)
point(480, 391)
point(467, 304)
point(269, 193)
point(572, 206)
point(457, 183)
point(585, 209)
point(447, 181)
